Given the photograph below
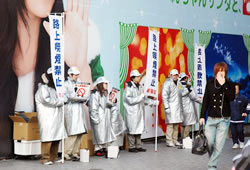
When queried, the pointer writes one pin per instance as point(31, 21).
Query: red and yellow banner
point(172, 54)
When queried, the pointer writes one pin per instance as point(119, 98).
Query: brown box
point(87, 143)
point(26, 130)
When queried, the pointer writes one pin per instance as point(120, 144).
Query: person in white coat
point(50, 118)
point(75, 120)
point(134, 106)
point(172, 101)
point(189, 97)
point(100, 117)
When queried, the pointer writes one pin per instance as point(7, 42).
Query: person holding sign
point(134, 100)
point(218, 94)
point(100, 116)
point(74, 115)
point(189, 111)
point(171, 98)
point(49, 112)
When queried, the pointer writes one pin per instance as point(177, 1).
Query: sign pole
point(63, 86)
point(156, 125)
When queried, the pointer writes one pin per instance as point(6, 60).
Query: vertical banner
point(57, 51)
point(200, 80)
point(151, 81)
point(57, 59)
point(200, 70)
point(152, 71)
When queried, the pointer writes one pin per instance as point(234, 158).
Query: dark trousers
point(237, 132)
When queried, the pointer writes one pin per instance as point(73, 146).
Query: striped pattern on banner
point(127, 34)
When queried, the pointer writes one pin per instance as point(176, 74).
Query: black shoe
point(180, 147)
point(75, 159)
point(99, 153)
point(141, 150)
point(132, 150)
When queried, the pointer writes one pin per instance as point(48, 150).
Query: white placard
point(151, 82)
point(57, 52)
point(82, 90)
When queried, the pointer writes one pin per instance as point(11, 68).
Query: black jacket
point(217, 96)
point(238, 106)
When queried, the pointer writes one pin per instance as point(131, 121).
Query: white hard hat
point(174, 72)
point(49, 71)
point(182, 75)
point(101, 80)
point(73, 70)
point(135, 73)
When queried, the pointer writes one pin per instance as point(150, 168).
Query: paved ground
point(166, 159)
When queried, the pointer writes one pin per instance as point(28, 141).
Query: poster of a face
point(25, 50)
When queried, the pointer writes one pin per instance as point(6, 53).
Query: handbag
point(200, 145)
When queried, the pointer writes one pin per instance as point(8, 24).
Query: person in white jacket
point(100, 117)
point(75, 120)
point(134, 106)
point(50, 118)
point(189, 97)
point(172, 101)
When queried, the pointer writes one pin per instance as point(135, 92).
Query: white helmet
point(182, 75)
point(73, 70)
point(174, 72)
point(101, 80)
point(135, 73)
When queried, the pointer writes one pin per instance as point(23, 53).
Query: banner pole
point(63, 86)
point(156, 125)
point(63, 137)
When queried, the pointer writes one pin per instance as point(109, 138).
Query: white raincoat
point(50, 115)
point(190, 116)
point(172, 101)
point(133, 99)
point(100, 118)
point(75, 120)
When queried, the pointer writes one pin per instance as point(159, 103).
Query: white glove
point(167, 110)
point(143, 96)
point(156, 102)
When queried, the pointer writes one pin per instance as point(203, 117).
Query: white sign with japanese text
point(151, 81)
point(114, 94)
point(82, 90)
point(57, 52)
point(200, 70)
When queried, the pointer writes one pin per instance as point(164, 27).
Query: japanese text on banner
point(151, 82)
point(200, 70)
point(57, 52)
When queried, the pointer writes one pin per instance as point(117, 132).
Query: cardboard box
point(23, 130)
point(27, 147)
point(87, 143)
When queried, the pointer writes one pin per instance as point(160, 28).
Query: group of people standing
point(106, 122)
point(178, 99)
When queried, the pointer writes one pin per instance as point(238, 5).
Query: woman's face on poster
point(39, 8)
